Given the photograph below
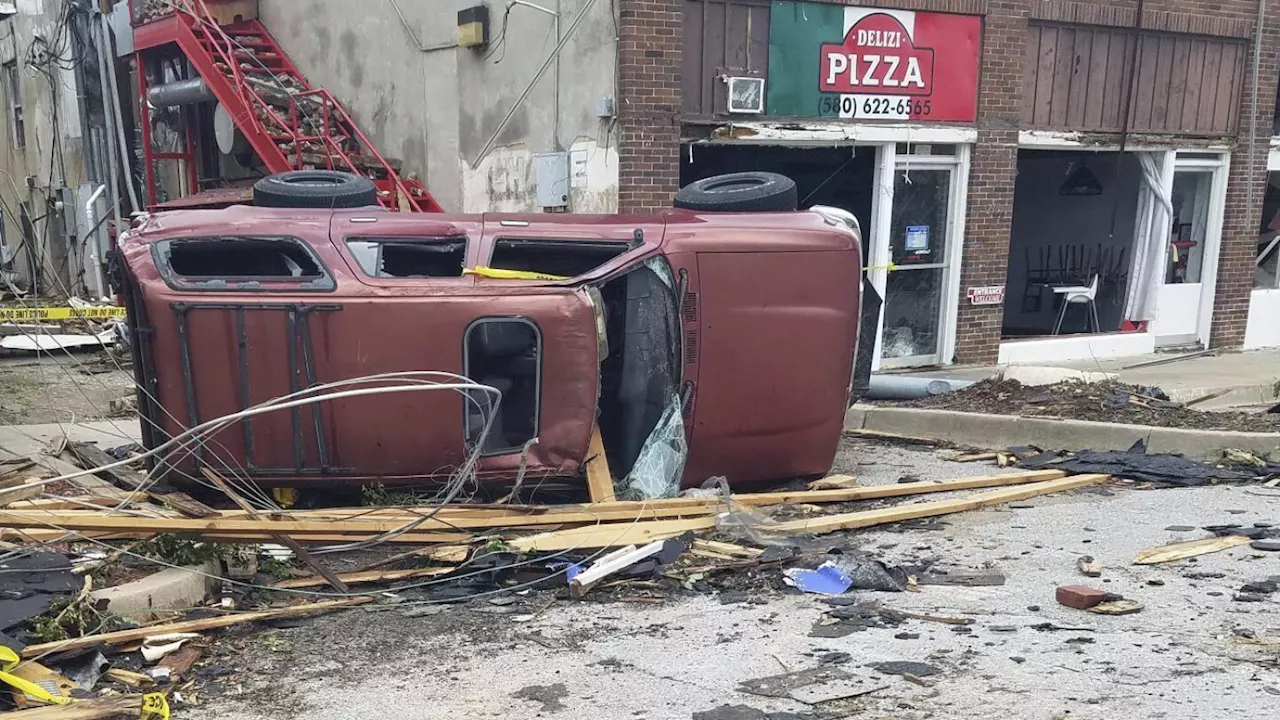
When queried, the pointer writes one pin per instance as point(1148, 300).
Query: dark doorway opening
point(841, 177)
point(1064, 237)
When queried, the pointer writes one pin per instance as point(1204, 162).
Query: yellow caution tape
point(59, 313)
point(154, 707)
point(500, 274)
point(8, 661)
point(890, 267)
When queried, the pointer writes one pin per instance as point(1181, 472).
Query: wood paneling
point(1078, 79)
point(721, 37)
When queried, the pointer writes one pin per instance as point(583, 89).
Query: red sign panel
point(877, 56)
point(902, 65)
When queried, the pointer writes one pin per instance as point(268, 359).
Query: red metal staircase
point(288, 123)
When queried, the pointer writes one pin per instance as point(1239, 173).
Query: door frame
point(888, 162)
point(1220, 167)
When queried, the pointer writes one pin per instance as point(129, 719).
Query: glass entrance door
point(1189, 266)
point(919, 287)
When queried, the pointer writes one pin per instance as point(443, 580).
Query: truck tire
point(324, 189)
point(739, 192)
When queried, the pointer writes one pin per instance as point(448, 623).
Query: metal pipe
point(123, 145)
point(1253, 109)
point(109, 120)
point(493, 139)
point(555, 73)
point(91, 214)
point(900, 387)
point(194, 91)
point(414, 36)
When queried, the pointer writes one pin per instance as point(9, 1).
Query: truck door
point(616, 262)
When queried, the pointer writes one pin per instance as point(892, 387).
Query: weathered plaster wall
point(436, 110)
point(51, 158)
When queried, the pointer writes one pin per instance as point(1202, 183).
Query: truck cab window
point(229, 262)
point(410, 258)
point(505, 353)
point(567, 258)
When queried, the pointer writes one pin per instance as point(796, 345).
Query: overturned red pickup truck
point(742, 327)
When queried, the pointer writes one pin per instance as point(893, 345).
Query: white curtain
point(1150, 239)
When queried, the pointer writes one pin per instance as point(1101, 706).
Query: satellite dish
point(230, 140)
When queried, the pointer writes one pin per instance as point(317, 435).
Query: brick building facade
point(658, 125)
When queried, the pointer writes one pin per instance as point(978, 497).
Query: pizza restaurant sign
point(873, 64)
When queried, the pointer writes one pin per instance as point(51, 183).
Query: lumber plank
point(867, 518)
point(92, 709)
point(834, 482)
point(625, 511)
point(22, 490)
point(1188, 549)
point(91, 456)
point(599, 476)
point(443, 553)
point(285, 540)
point(137, 634)
point(670, 507)
point(301, 529)
point(901, 490)
point(356, 578)
point(616, 535)
point(728, 549)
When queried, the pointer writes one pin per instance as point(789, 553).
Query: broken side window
point(505, 353)
point(443, 258)
point(566, 258)
point(240, 263)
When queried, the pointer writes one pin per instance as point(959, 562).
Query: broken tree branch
point(138, 634)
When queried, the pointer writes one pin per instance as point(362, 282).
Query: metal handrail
point(203, 23)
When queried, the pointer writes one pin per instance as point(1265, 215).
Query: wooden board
point(137, 634)
point(355, 578)
point(610, 535)
point(1191, 548)
point(599, 477)
point(91, 456)
point(94, 709)
point(867, 518)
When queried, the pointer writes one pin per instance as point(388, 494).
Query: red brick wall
point(1240, 230)
point(649, 59)
point(992, 172)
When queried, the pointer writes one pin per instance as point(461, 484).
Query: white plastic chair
point(1079, 295)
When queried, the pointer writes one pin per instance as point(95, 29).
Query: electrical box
point(67, 210)
point(552, 179)
point(473, 27)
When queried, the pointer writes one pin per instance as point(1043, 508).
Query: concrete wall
point(52, 156)
point(436, 110)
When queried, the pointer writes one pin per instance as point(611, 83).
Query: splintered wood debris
point(613, 539)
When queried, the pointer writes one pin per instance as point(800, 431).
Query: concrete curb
point(167, 590)
point(1003, 431)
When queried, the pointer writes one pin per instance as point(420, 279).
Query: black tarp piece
point(29, 583)
point(1136, 464)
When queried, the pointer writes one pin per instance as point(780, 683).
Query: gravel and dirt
point(66, 388)
point(1103, 402)
point(1194, 651)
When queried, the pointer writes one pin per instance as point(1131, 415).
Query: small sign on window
point(918, 239)
point(989, 295)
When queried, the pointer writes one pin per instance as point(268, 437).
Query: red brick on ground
point(1080, 597)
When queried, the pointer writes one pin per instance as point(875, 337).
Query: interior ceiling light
point(1081, 181)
